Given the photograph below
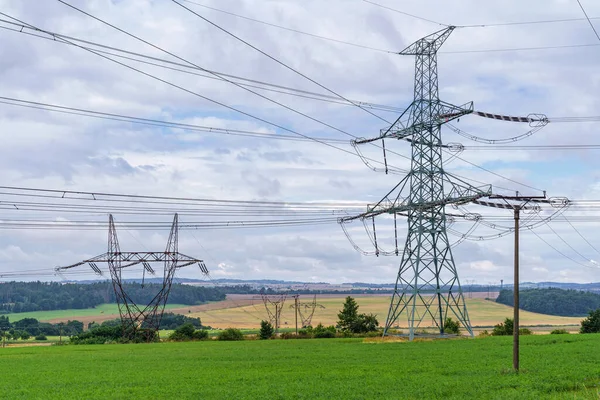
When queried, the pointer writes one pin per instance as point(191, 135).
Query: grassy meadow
point(557, 366)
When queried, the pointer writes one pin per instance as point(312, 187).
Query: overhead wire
point(207, 98)
point(232, 108)
point(278, 61)
point(588, 20)
point(289, 29)
point(253, 83)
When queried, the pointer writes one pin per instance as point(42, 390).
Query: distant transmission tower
point(134, 315)
point(427, 286)
point(274, 305)
point(309, 310)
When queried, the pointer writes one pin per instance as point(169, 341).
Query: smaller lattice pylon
point(274, 305)
point(141, 321)
point(309, 310)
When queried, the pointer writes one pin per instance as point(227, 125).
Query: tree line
point(553, 301)
point(18, 297)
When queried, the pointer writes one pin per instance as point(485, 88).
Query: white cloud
point(50, 150)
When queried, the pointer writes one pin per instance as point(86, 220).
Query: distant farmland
point(246, 311)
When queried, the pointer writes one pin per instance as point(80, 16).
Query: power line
point(560, 252)
point(580, 235)
point(273, 59)
point(537, 22)
point(405, 13)
point(253, 83)
point(290, 29)
point(205, 97)
point(221, 77)
point(588, 19)
point(571, 46)
point(155, 122)
point(233, 108)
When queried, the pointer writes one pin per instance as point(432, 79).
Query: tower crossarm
point(446, 112)
point(130, 259)
point(404, 208)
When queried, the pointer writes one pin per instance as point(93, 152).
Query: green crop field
point(557, 366)
point(103, 311)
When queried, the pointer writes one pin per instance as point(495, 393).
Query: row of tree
point(33, 327)
point(18, 297)
point(552, 301)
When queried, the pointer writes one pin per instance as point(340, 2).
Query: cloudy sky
point(504, 68)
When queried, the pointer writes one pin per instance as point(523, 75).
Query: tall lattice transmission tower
point(427, 286)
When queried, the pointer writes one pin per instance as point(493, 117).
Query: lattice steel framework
point(133, 315)
point(427, 285)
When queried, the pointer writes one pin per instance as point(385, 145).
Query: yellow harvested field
point(246, 311)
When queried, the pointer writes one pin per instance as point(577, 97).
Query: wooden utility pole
point(296, 307)
point(524, 200)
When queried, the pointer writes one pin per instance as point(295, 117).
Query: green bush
point(451, 326)
point(41, 337)
point(559, 332)
point(321, 332)
point(230, 334)
point(504, 329)
point(266, 330)
point(200, 334)
point(525, 331)
point(188, 332)
point(592, 323)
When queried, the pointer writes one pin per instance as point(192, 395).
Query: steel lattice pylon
point(141, 321)
point(427, 285)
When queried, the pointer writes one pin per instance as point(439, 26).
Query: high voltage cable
point(580, 235)
point(94, 196)
point(556, 47)
point(154, 122)
point(233, 108)
point(560, 252)
point(290, 29)
point(234, 83)
point(568, 245)
point(405, 13)
point(273, 87)
point(588, 19)
point(202, 96)
point(302, 135)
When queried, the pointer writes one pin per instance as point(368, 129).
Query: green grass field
point(558, 366)
point(99, 311)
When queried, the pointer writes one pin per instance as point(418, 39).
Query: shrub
point(525, 331)
point(41, 337)
point(230, 334)
point(483, 333)
point(592, 323)
point(451, 326)
point(188, 332)
point(200, 334)
point(184, 332)
point(321, 332)
point(503, 329)
point(266, 330)
point(559, 332)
